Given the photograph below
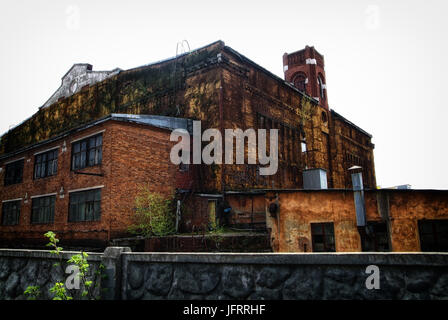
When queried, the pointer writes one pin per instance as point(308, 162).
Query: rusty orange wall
point(298, 209)
point(406, 208)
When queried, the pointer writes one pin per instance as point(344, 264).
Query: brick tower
point(305, 69)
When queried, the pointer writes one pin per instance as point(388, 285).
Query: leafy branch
point(60, 290)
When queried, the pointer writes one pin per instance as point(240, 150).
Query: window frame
point(324, 237)
point(87, 203)
point(378, 239)
point(39, 156)
point(15, 166)
point(300, 82)
point(321, 84)
point(436, 246)
point(96, 148)
point(51, 207)
point(18, 208)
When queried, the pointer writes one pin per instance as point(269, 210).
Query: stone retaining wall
point(130, 276)
point(22, 268)
point(283, 276)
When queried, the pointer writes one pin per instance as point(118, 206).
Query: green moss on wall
point(154, 89)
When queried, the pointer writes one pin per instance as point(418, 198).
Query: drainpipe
point(358, 193)
point(178, 216)
point(221, 121)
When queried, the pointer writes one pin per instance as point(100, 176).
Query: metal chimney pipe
point(358, 193)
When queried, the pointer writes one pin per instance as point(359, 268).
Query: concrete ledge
point(45, 254)
point(392, 259)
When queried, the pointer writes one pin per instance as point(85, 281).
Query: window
point(87, 152)
point(303, 144)
point(433, 235)
point(85, 206)
point(14, 172)
point(376, 237)
point(323, 237)
point(11, 213)
point(43, 209)
point(323, 117)
point(46, 164)
point(321, 87)
point(300, 82)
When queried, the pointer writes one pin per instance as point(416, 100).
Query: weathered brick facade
point(134, 155)
point(214, 84)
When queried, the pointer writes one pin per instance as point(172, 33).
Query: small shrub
point(154, 214)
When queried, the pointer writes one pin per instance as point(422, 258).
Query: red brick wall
point(133, 155)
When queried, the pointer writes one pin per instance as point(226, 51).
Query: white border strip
point(85, 189)
point(12, 161)
point(44, 195)
point(47, 150)
point(88, 136)
point(11, 200)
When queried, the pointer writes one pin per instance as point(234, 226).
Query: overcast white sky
point(385, 60)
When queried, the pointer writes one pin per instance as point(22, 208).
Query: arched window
point(300, 82)
point(321, 87)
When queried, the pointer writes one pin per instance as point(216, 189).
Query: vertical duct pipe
point(358, 193)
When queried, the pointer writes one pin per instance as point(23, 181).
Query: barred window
point(14, 172)
point(46, 164)
point(11, 213)
point(85, 206)
point(87, 152)
point(323, 237)
point(43, 209)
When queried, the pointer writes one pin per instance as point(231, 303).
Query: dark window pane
point(98, 195)
point(82, 163)
point(46, 164)
point(86, 204)
point(43, 209)
point(329, 228)
point(89, 152)
point(323, 237)
point(316, 228)
point(11, 212)
point(92, 157)
point(14, 172)
point(433, 235)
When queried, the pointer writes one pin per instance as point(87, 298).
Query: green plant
point(154, 214)
point(32, 292)
point(60, 293)
point(59, 289)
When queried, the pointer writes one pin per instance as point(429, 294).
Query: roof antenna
point(182, 48)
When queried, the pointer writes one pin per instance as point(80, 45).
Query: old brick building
point(81, 183)
point(214, 84)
